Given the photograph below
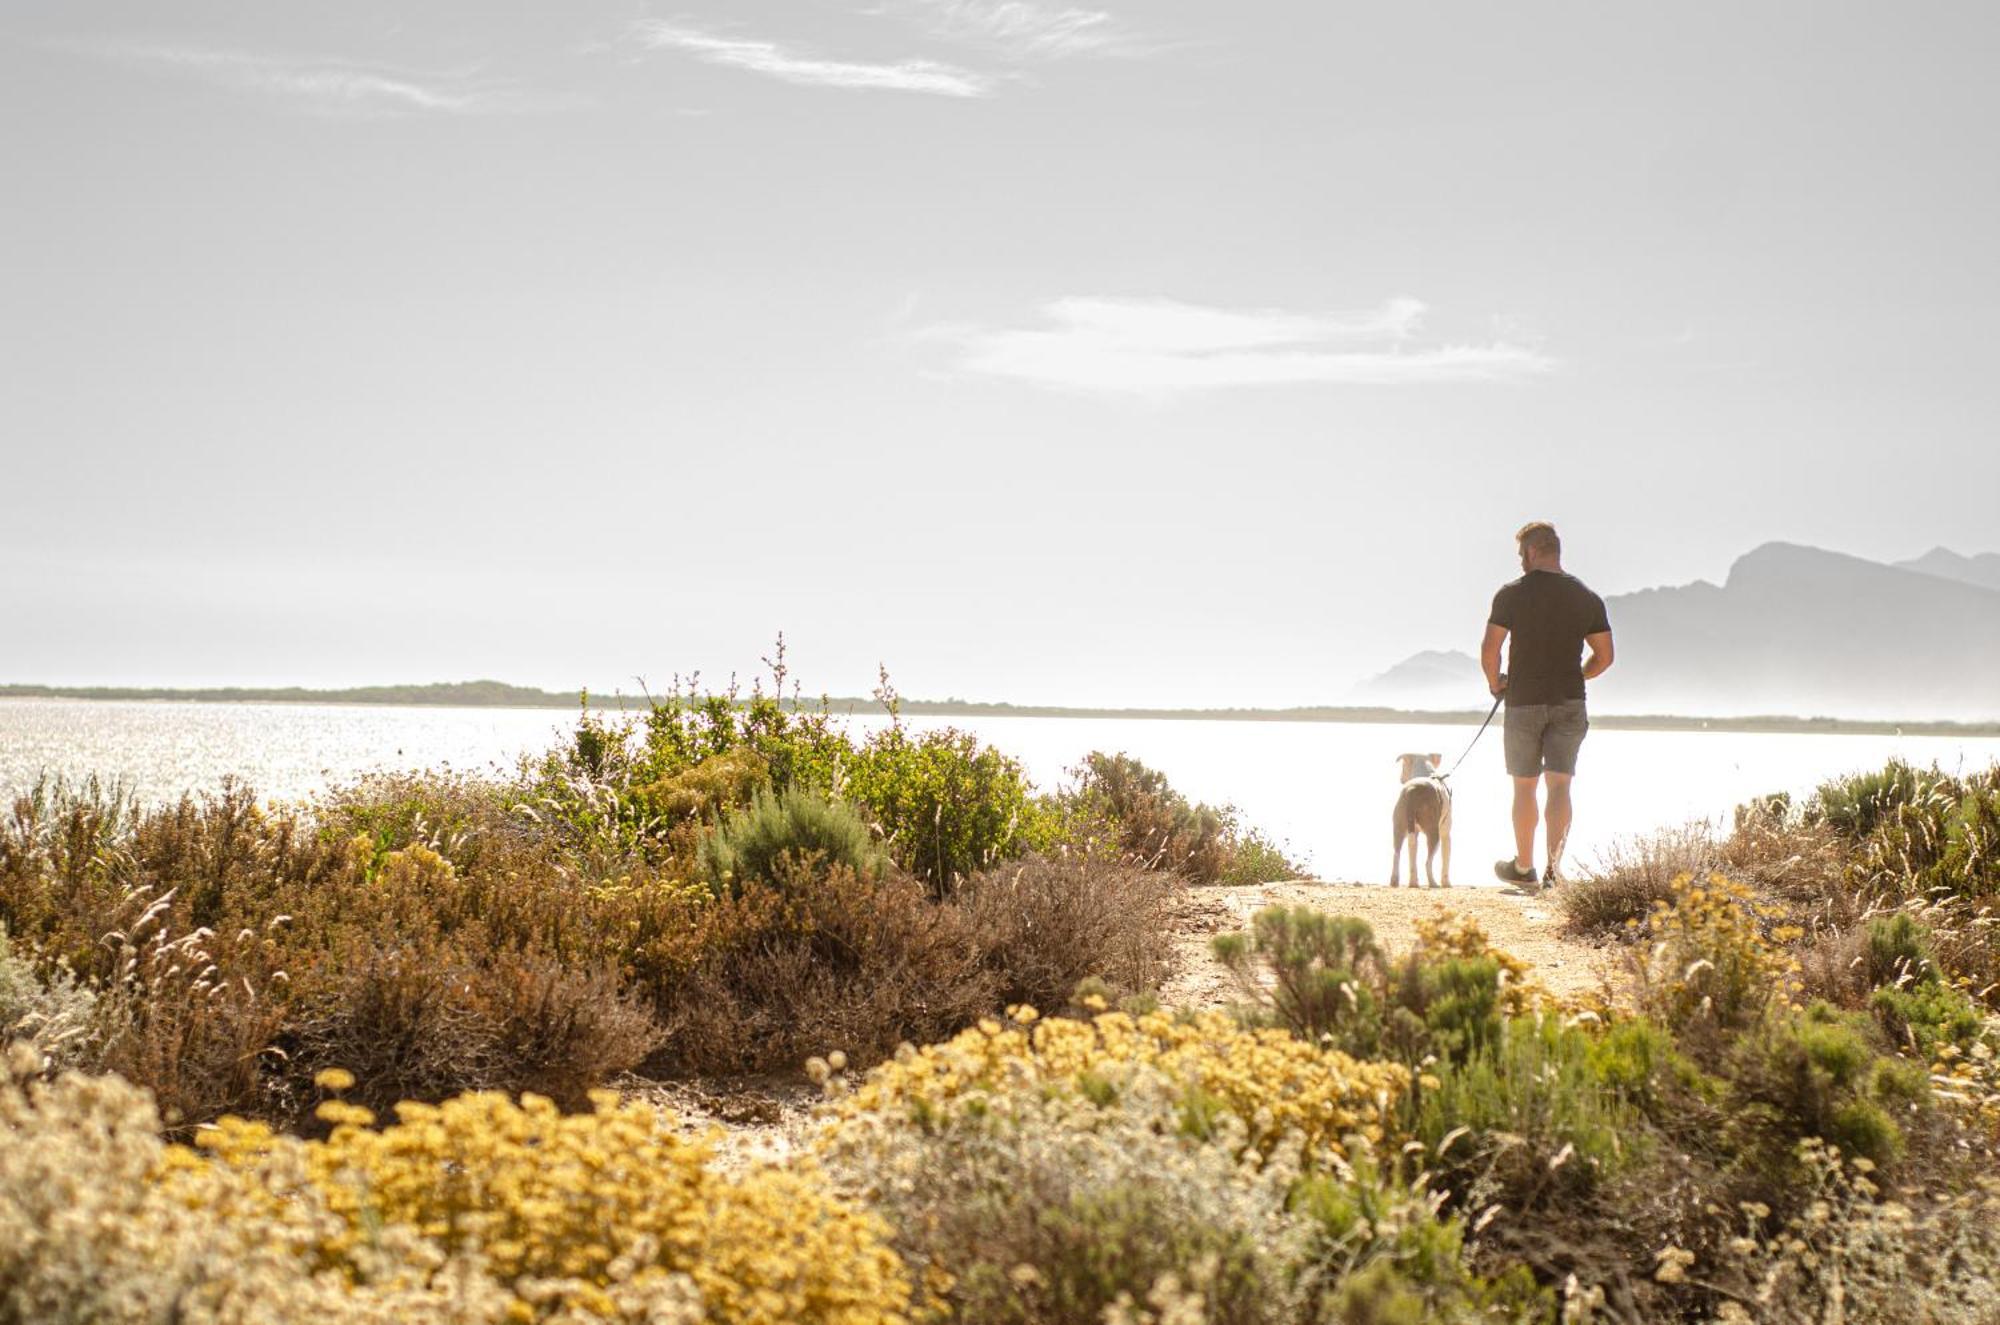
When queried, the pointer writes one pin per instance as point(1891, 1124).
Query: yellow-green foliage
point(1268, 1080)
point(711, 786)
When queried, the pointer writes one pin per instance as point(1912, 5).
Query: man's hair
point(1539, 536)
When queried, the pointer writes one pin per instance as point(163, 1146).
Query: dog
point(1423, 805)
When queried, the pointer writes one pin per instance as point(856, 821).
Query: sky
point(1170, 353)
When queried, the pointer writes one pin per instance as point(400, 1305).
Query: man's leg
point(1567, 727)
point(1558, 815)
point(1525, 814)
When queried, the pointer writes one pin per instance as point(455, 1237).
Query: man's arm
point(1489, 657)
point(1599, 660)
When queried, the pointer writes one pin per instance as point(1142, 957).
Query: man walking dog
point(1552, 617)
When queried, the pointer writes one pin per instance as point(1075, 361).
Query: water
point(1323, 788)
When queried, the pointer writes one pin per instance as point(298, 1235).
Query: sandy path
point(1526, 926)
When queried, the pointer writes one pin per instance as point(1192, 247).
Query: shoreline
point(494, 695)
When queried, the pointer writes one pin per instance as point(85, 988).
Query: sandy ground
point(1516, 922)
point(770, 1117)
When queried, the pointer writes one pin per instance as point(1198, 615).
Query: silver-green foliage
point(56, 1013)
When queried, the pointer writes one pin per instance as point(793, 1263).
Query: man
point(1552, 618)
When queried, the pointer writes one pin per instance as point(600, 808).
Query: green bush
point(1536, 1114)
point(947, 805)
point(1857, 804)
point(1817, 1074)
point(1382, 1252)
point(1928, 831)
point(1910, 997)
point(752, 843)
point(1322, 975)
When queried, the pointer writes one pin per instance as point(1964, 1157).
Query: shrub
point(90, 1232)
point(1711, 962)
point(56, 1014)
point(195, 1019)
point(1921, 828)
point(565, 1207)
point(479, 1211)
point(947, 805)
point(1255, 858)
point(1324, 979)
point(1382, 1251)
point(1539, 1116)
point(751, 844)
point(1852, 1253)
point(1322, 975)
point(426, 1022)
point(1119, 804)
point(1268, 1082)
point(1100, 1198)
point(822, 959)
point(1047, 1207)
point(1046, 923)
point(1817, 1075)
point(1629, 879)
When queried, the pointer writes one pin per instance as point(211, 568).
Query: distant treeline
point(498, 694)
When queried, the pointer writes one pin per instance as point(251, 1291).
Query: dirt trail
point(770, 1117)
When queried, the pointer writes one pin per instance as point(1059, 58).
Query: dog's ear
point(1437, 759)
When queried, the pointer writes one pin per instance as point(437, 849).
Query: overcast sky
point(1171, 353)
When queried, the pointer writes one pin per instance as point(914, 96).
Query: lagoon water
point(1323, 788)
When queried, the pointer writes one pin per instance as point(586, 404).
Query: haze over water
point(1324, 788)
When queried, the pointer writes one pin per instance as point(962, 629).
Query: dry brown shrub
point(1046, 923)
point(425, 1023)
point(194, 1019)
point(826, 959)
point(1631, 875)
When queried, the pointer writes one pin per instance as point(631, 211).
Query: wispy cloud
point(765, 57)
point(324, 85)
point(1022, 28)
point(1160, 347)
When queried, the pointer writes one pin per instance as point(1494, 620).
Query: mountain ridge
point(1792, 629)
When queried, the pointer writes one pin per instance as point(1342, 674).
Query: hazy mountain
point(1433, 679)
point(1982, 569)
point(1793, 630)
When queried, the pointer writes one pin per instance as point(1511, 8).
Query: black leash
point(1444, 777)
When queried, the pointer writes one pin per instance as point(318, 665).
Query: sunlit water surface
point(1323, 788)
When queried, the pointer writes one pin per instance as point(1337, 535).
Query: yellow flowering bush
point(579, 1212)
point(1711, 961)
point(1270, 1081)
point(98, 1224)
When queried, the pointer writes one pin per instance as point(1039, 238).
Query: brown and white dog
point(1423, 805)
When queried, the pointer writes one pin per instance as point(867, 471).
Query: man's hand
point(1497, 688)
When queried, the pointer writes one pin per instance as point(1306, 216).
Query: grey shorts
point(1544, 737)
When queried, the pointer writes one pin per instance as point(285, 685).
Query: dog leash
point(1445, 777)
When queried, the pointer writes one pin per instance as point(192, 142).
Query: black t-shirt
point(1547, 614)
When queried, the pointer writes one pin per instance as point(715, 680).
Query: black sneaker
point(1508, 872)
